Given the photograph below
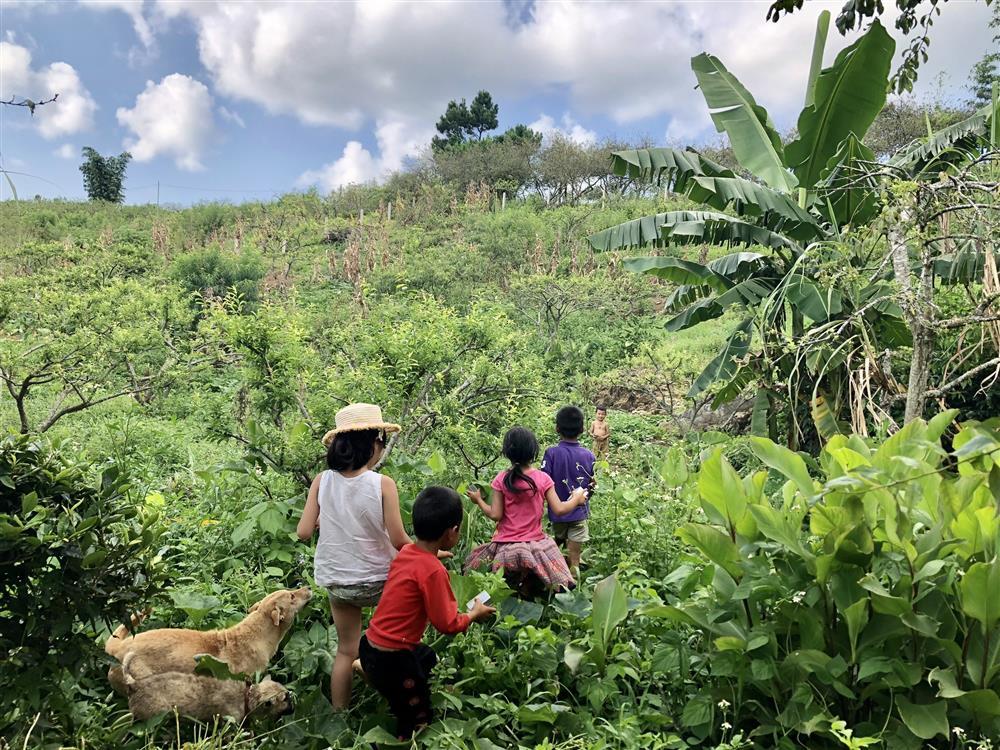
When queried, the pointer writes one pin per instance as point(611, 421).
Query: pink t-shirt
point(522, 510)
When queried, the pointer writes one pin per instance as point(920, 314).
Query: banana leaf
point(753, 137)
point(726, 362)
point(952, 146)
point(678, 271)
point(848, 97)
point(849, 185)
point(706, 182)
point(814, 302)
point(688, 227)
point(699, 312)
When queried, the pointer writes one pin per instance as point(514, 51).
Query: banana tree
point(792, 274)
point(940, 233)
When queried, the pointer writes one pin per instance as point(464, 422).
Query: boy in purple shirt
point(570, 465)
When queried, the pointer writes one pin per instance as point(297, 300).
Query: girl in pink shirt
point(519, 545)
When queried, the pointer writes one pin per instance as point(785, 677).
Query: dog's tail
point(113, 646)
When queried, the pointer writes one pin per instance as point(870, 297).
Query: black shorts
point(402, 677)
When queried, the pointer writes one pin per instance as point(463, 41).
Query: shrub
point(212, 272)
point(75, 554)
point(870, 597)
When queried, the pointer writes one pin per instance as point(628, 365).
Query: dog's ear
point(276, 616)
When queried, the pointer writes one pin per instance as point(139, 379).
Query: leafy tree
point(814, 188)
point(905, 121)
point(504, 163)
point(855, 13)
point(65, 351)
point(986, 72)
point(461, 122)
point(103, 175)
point(78, 549)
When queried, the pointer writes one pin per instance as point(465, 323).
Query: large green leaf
point(688, 227)
point(749, 292)
point(949, 147)
point(737, 266)
point(786, 462)
point(926, 720)
point(848, 97)
point(722, 491)
point(817, 303)
point(980, 588)
point(711, 184)
point(698, 312)
point(752, 135)
point(679, 271)
point(849, 185)
point(715, 545)
point(725, 363)
point(610, 608)
point(672, 165)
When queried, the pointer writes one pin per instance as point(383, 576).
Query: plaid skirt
point(542, 558)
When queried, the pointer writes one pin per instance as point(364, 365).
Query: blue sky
point(244, 100)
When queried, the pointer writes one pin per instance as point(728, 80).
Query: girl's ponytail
point(521, 448)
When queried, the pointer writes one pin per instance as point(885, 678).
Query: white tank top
point(353, 544)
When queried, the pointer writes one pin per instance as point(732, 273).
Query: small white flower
point(725, 726)
point(958, 731)
point(723, 704)
point(798, 596)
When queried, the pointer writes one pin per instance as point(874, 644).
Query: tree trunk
point(917, 307)
point(922, 310)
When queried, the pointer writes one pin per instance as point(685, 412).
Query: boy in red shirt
point(417, 590)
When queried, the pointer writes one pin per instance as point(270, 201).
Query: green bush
point(213, 272)
point(77, 554)
point(865, 603)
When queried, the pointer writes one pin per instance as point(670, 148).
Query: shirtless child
point(600, 431)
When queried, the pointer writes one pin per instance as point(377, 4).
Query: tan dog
point(203, 697)
point(247, 647)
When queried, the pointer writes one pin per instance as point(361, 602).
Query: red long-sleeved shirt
point(416, 590)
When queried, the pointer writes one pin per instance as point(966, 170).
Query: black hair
point(352, 450)
point(601, 407)
point(520, 447)
point(436, 510)
point(569, 422)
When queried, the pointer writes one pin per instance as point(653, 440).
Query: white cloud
point(569, 128)
point(71, 113)
point(229, 115)
point(170, 118)
point(134, 10)
point(398, 140)
point(351, 64)
point(66, 151)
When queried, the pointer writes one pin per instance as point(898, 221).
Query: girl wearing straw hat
point(356, 511)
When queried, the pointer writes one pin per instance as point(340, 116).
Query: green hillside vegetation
point(794, 537)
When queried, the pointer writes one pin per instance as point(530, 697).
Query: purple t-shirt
point(570, 465)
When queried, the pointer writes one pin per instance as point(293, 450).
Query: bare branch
point(29, 103)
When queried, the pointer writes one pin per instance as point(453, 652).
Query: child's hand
point(474, 494)
point(444, 554)
point(579, 496)
point(480, 611)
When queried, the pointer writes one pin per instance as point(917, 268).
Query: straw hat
point(359, 417)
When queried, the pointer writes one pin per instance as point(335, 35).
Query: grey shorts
point(574, 531)
point(356, 594)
